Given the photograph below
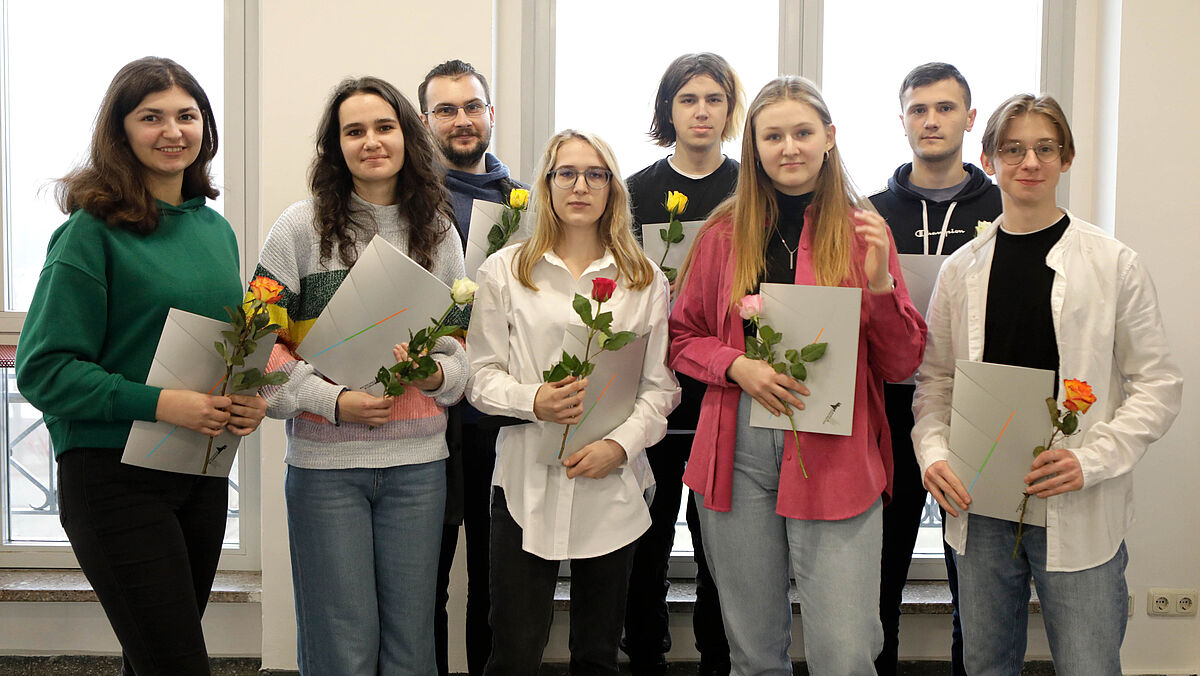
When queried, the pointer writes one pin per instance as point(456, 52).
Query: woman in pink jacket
point(794, 218)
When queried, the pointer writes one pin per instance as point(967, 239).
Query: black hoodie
point(917, 223)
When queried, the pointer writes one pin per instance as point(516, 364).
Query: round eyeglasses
point(1014, 152)
point(565, 177)
point(448, 112)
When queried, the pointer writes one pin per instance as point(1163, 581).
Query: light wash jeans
point(835, 563)
point(1084, 611)
point(365, 545)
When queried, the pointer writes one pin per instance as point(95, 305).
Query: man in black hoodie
point(933, 205)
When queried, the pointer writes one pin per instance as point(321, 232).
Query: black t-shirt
point(1018, 327)
point(783, 243)
point(647, 193)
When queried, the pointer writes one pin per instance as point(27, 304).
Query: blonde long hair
point(616, 233)
point(753, 208)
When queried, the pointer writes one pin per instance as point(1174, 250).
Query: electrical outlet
point(1162, 601)
point(1185, 602)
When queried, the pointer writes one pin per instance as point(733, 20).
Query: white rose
point(463, 291)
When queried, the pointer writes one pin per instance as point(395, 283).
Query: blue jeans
point(1084, 611)
point(365, 546)
point(836, 565)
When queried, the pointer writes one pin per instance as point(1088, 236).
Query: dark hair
point(1028, 104)
point(682, 70)
point(109, 184)
point(454, 68)
point(929, 73)
point(420, 191)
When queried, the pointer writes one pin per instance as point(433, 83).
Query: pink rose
point(750, 306)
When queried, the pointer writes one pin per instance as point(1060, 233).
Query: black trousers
point(478, 462)
point(647, 636)
point(901, 525)
point(523, 603)
point(148, 542)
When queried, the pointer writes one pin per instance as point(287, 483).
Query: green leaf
point(261, 319)
point(774, 340)
point(662, 232)
point(813, 351)
point(586, 369)
point(671, 273)
point(1070, 423)
point(556, 373)
point(618, 340)
point(1037, 450)
point(237, 383)
point(780, 367)
point(220, 348)
point(234, 314)
point(249, 347)
point(583, 308)
point(766, 333)
point(394, 388)
point(383, 376)
point(799, 371)
point(235, 360)
point(275, 378)
point(1052, 407)
point(603, 322)
point(675, 233)
point(231, 337)
point(792, 356)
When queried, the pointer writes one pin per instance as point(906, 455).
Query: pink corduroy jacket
point(846, 474)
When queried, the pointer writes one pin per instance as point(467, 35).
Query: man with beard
point(933, 205)
point(456, 104)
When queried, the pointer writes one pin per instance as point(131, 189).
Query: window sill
point(920, 598)
point(56, 585)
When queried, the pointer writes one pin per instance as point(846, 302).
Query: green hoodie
point(101, 301)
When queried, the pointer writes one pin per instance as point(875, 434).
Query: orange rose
point(266, 289)
point(1079, 397)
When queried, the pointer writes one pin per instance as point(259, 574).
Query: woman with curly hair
point(366, 479)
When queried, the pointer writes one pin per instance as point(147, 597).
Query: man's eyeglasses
point(565, 177)
point(449, 112)
point(1014, 152)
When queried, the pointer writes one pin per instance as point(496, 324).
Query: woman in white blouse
point(590, 508)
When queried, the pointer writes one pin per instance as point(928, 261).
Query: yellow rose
point(518, 199)
point(676, 202)
point(463, 291)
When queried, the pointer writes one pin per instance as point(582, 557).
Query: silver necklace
point(790, 250)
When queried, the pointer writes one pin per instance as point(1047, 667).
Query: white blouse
point(516, 333)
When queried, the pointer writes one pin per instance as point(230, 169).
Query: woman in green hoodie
point(139, 240)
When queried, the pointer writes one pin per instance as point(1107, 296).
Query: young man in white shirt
point(698, 105)
point(1041, 288)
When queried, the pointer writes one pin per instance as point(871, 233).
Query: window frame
point(239, 144)
point(801, 28)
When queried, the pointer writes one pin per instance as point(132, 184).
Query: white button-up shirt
point(1110, 334)
point(516, 333)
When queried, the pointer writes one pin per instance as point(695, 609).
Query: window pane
point(56, 72)
point(613, 95)
point(995, 43)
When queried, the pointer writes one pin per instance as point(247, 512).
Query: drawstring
point(945, 226)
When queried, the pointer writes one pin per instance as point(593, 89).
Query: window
point(53, 74)
point(857, 50)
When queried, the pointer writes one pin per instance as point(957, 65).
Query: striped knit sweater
point(416, 429)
